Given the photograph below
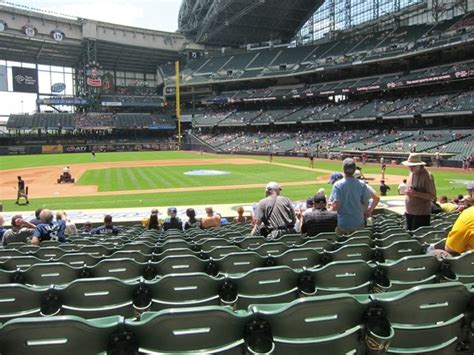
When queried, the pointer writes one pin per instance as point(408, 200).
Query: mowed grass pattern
point(29, 161)
point(446, 183)
point(144, 178)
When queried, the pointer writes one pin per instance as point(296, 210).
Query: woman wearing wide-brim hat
point(420, 194)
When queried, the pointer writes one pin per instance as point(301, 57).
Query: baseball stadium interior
point(326, 79)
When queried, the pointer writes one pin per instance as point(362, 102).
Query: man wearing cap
point(319, 219)
point(172, 221)
point(420, 193)
point(350, 199)
point(335, 177)
point(275, 215)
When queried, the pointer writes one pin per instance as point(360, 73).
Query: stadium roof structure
point(237, 22)
point(116, 47)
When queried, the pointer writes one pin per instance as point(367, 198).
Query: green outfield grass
point(29, 161)
point(142, 178)
point(448, 183)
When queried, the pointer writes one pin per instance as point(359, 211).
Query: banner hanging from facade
point(25, 80)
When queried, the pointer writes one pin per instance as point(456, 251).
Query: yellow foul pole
point(178, 101)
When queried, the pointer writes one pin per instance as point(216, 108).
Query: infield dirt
point(42, 183)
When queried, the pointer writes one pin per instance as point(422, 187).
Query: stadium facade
point(258, 67)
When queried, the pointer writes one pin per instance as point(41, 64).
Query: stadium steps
point(202, 66)
point(446, 143)
point(224, 65)
point(354, 48)
point(378, 45)
point(275, 58)
point(204, 143)
point(328, 50)
point(393, 141)
point(307, 59)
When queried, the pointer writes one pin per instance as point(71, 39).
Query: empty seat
point(239, 263)
point(124, 269)
point(343, 276)
point(97, 297)
point(180, 265)
point(267, 285)
point(185, 290)
point(299, 258)
point(19, 301)
point(411, 271)
point(57, 335)
point(425, 318)
point(50, 274)
point(315, 325)
point(200, 330)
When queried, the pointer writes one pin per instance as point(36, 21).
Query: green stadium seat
point(400, 249)
point(299, 258)
point(97, 297)
point(52, 252)
point(180, 265)
point(50, 274)
point(141, 247)
point(79, 259)
point(351, 252)
point(220, 252)
point(199, 330)
point(431, 237)
point(463, 267)
point(266, 285)
point(271, 248)
point(212, 243)
point(123, 269)
point(343, 276)
point(251, 242)
point(19, 301)
point(291, 239)
point(316, 325)
point(355, 240)
point(239, 263)
point(392, 238)
point(96, 250)
point(57, 335)
point(425, 318)
point(331, 236)
point(21, 262)
point(185, 290)
point(411, 271)
point(131, 254)
point(317, 244)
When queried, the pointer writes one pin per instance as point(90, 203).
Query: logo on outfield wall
point(57, 35)
point(206, 173)
point(29, 30)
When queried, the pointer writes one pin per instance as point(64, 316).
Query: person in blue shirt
point(350, 199)
point(49, 229)
point(107, 228)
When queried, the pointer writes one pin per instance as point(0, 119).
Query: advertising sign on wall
point(25, 80)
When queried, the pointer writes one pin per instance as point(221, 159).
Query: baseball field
point(145, 179)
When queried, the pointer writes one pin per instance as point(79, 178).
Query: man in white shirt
point(402, 188)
